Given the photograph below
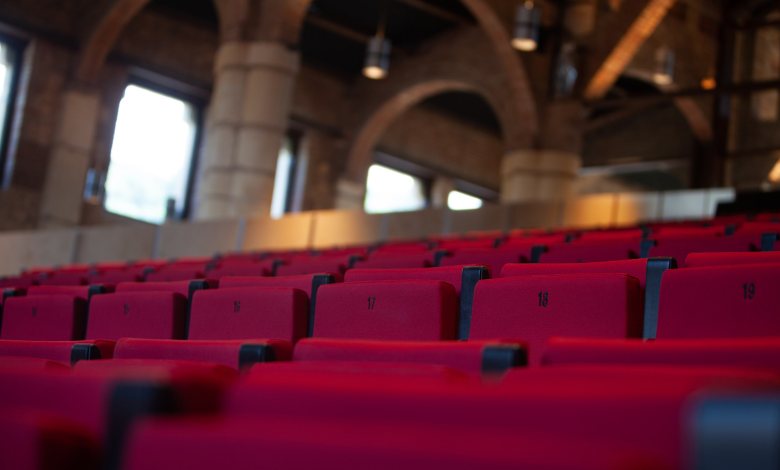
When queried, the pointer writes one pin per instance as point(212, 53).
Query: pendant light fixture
point(527, 26)
point(377, 63)
point(664, 66)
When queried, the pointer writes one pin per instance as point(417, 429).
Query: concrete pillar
point(245, 128)
point(349, 194)
point(72, 148)
point(538, 175)
point(440, 191)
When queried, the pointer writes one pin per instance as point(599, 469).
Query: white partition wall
point(323, 229)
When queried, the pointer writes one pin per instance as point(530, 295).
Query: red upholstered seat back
point(635, 268)
point(698, 260)
point(720, 302)
point(336, 265)
point(493, 258)
point(534, 308)
point(44, 317)
point(179, 287)
point(169, 275)
point(407, 310)
point(249, 312)
point(301, 282)
point(591, 251)
point(401, 259)
point(449, 274)
point(75, 291)
point(160, 315)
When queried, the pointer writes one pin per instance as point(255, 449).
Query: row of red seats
point(491, 249)
point(363, 393)
point(118, 414)
point(621, 299)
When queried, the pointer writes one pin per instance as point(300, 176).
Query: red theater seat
point(243, 268)
point(392, 310)
point(324, 264)
point(647, 271)
point(74, 291)
point(758, 353)
point(467, 356)
point(237, 354)
point(107, 398)
point(494, 258)
point(155, 315)
point(249, 312)
point(45, 317)
point(698, 260)
point(679, 248)
point(720, 302)
point(583, 251)
point(308, 283)
point(115, 277)
point(644, 410)
point(169, 275)
point(391, 259)
point(461, 278)
point(67, 352)
point(331, 444)
point(40, 441)
point(534, 308)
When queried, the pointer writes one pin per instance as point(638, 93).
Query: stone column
point(247, 121)
point(440, 191)
point(349, 194)
point(538, 175)
point(72, 147)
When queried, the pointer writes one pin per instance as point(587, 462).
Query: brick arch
point(362, 145)
point(456, 61)
point(110, 24)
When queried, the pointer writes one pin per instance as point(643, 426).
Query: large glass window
point(284, 180)
point(9, 64)
point(6, 72)
point(459, 201)
point(389, 190)
point(151, 156)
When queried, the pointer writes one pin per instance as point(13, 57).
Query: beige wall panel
point(19, 250)
point(591, 211)
point(488, 217)
point(535, 215)
point(342, 228)
point(410, 225)
point(634, 208)
point(291, 232)
point(116, 243)
point(197, 238)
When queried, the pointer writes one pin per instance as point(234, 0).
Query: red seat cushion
point(449, 274)
point(698, 260)
point(760, 353)
point(226, 352)
point(467, 356)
